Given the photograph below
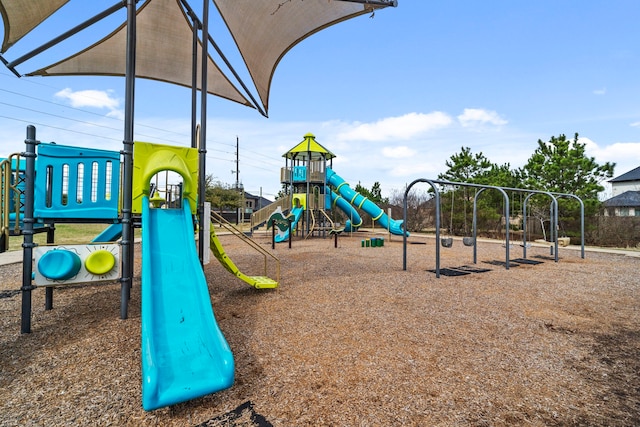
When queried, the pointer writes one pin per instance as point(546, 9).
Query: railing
point(324, 213)
point(262, 215)
point(11, 191)
point(298, 174)
point(5, 176)
point(313, 222)
point(217, 218)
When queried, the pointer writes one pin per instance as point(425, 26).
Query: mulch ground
point(352, 339)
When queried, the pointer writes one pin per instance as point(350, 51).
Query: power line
point(88, 123)
point(59, 128)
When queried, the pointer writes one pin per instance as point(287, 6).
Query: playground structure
point(180, 338)
point(64, 184)
point(472, 240)
point(313, 189)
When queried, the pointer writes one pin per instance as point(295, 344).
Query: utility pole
point(237, 172)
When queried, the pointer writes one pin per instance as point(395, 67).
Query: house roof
point(632, 175)
point(626, 199)
point(260, 201)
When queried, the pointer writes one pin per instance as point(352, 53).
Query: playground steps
point(261, 282)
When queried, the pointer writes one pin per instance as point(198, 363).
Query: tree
point(465, 166)
point(562, 166)
point(376, 195)
point(420, 208)
point(221, 196)
point(283, 192)
point(362, 190)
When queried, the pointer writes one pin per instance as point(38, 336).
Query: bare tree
point(420, 208)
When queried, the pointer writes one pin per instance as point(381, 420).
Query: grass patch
point(65, 234)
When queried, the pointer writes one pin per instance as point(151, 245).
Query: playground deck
point(351, 339)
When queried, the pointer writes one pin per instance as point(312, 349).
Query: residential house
point(626, 195)
point(254, 203)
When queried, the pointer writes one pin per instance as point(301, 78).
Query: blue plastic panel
point(299, 174)
point(76, 183)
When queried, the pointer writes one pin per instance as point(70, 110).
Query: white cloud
point(472, 117)
point(397, 128)
point(93, 99)
point(626, 155)
point(635, 124)
point(400, 152)
point(602, 91)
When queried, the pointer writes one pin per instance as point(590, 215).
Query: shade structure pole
point(194, 79)
point(27, 229)
point(127, 180)
point(202, 149)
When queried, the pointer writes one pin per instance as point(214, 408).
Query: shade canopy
point(266, 30)
point(164, 39)
point(22, 16)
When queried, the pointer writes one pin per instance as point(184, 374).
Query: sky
point(393, 95)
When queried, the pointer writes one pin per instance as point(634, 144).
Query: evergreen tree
point(562, 166)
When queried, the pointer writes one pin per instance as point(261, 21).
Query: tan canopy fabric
point(266, 30)
point(22, 16)
point(263, 30)
point(163, 52)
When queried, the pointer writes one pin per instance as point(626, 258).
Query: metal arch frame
point(433, 183)
point(554, 216)
point(568, 195)
point(553, 213)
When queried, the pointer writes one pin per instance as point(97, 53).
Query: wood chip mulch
point(351, 339)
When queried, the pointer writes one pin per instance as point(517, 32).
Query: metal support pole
point(194, 79)
point(127, 242)
point(202, 150)
point(27, 231)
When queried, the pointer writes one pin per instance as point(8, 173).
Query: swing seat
point(468, 241)
point(447, 242)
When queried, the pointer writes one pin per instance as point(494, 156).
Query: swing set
point(447, 242)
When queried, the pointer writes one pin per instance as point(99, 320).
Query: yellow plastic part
point(258, 282)
point(100, 262)
point(299, 199)
point(149, 159)
point(157, 201)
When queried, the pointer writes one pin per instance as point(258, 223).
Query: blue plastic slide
point(296, 212)
point(354, 220)
point(109, 234)
point(358, 200)
point(184, 354)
